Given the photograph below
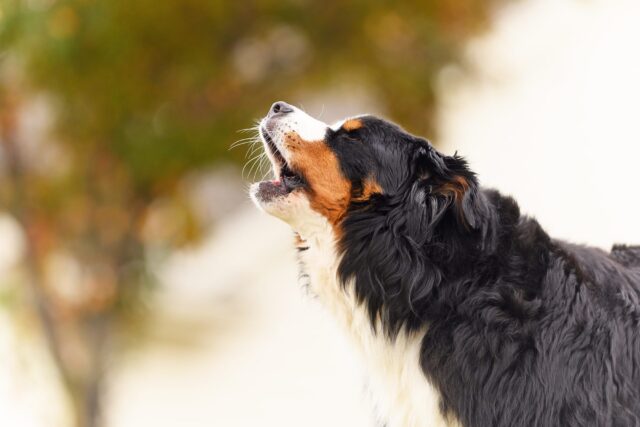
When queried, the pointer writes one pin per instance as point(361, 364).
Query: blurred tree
point(144, 92)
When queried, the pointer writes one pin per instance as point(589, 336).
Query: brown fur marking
point(330, 191)
point(352, 124)
point(457, 189)
point(369, 188)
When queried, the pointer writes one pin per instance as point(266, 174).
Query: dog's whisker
point(253, 149)
point(256, 161)
point(254, 128)
point(242, 142)
point(250, 162)
point(264, 166)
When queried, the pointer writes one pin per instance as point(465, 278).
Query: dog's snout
point(280, 107)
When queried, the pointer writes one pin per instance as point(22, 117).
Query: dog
point(466, 313)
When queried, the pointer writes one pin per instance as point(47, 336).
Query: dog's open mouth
point(286, 179)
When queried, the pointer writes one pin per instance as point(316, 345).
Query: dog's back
point(629, 256)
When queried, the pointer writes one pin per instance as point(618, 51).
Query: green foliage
point(161, 86)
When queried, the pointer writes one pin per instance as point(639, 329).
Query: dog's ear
point(448, 185)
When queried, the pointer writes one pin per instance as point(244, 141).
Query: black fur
point(523, 330)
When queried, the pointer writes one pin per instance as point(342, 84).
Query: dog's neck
point(402, 395)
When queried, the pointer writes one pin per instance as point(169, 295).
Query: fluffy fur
point(466, 312)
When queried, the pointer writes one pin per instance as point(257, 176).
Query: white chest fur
point(403, 397)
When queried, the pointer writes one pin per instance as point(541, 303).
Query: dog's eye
point(351, 137)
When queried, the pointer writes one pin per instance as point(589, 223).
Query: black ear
point(449, 178)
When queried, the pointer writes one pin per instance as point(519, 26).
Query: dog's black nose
point(280, 107)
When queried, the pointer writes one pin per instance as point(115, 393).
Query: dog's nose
point(280, 107)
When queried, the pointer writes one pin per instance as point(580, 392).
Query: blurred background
point(138, 286)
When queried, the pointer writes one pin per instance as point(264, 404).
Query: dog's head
point(357, 165)
point(400, 215)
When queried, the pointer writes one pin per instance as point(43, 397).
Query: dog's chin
point(279, 197)
point(276, 198)
point(273, 192)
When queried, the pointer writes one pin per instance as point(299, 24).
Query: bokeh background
point(138, 286)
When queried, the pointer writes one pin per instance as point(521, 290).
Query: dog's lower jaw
point(402, 395)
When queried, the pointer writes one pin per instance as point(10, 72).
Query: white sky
point(553, 115)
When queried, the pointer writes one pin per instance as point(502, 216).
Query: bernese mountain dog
point(466, 312)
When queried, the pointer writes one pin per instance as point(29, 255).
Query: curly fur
point(466, 311)
point(522, 329)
